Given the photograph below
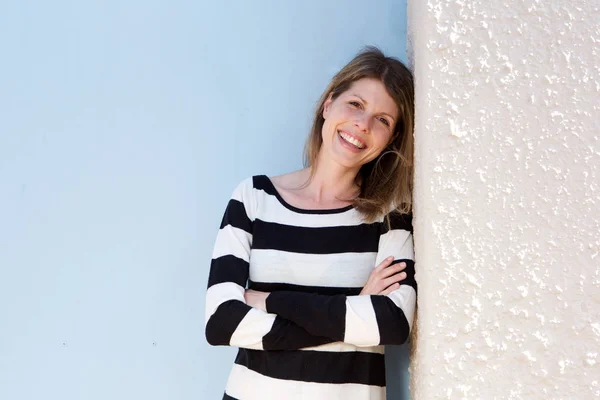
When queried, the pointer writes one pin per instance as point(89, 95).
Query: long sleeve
point(229, 321)
point(360, 320)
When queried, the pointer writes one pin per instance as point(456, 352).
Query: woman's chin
point(349, 161)
point(343, 157)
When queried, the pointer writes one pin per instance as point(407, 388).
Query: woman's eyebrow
point(363, 100)
point(366, 102)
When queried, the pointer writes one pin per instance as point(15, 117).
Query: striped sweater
point(319, 338)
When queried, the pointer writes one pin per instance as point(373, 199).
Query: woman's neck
point(331, 181)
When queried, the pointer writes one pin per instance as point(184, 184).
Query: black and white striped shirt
point(319, 339)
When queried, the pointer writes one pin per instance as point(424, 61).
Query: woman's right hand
point(385, 278)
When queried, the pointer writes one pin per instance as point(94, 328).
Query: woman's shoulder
point(254, 191)
point(251, 186)
point(253, 183)
point(396, 218)
point(271, 185)
point(291, 180)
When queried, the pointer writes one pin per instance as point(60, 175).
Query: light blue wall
point(124, 127)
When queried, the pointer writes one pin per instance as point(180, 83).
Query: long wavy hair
point(386, 183)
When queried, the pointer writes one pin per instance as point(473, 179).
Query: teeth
point(351, 140)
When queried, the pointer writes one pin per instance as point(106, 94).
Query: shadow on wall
point(397, 377)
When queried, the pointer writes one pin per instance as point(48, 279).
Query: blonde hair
point(386, 182)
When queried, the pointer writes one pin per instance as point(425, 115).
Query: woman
point(326, 251)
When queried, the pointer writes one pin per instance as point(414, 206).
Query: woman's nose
point(362, 122)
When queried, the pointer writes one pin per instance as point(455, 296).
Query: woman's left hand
point(256, 299)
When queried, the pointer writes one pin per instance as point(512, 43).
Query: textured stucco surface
point(507, 199)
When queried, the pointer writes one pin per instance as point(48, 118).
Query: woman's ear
point(327, 105)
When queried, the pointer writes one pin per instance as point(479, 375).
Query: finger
point(393, 269)
point(385, 263)
point(394, 278)
point(390, 289)
point(401, 265)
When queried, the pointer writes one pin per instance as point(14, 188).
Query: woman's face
point(359, 123)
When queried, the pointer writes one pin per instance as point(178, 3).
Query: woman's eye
point(354, 103)
point(385, 121)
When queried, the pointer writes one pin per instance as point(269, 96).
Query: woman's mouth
point(352, 141)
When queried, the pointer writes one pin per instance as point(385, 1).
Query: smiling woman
point(379, 94)
point(364, 127)
point(326, 252)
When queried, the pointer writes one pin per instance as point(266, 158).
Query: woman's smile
point(351, 142)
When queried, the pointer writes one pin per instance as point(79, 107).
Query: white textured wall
point(507, 196)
